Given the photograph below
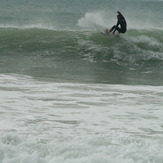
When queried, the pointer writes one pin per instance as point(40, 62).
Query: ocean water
point(72, 95)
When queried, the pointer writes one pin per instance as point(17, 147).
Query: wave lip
point(29, 26)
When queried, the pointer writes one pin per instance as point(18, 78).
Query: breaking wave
point(133, 49)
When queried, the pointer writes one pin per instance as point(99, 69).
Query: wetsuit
point(122, 22)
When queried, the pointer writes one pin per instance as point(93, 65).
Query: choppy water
point(67, 122)
point(71, 95)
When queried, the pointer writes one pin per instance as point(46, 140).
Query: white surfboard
point(104, 30)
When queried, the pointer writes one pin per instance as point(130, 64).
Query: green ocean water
point(57, 38)
point(54, 36)
point(79, 56)
point(72, 95)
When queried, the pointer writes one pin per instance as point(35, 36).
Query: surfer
point(122, 22)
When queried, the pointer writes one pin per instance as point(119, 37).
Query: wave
point(136, 48)
point(29, 26)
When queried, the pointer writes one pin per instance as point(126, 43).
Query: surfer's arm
point(118, 22)
point(120, 14)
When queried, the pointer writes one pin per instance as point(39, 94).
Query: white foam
point(98, 17)
point(29, 26)
point(77, 123)
point(146, 39)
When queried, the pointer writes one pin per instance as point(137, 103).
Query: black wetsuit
point(122, 23)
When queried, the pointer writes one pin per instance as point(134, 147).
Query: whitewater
point(65, 122)
point(72, 95)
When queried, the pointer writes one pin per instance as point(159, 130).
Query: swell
point(134, 49)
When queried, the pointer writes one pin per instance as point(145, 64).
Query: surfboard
point(104, 30)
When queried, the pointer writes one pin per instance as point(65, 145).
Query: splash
point(90, 18)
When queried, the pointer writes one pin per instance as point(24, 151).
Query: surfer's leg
point(120, 30)
point(112, 28)
point(117, 29)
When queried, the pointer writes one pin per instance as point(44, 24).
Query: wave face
point(32, 51)
point(58, 39)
